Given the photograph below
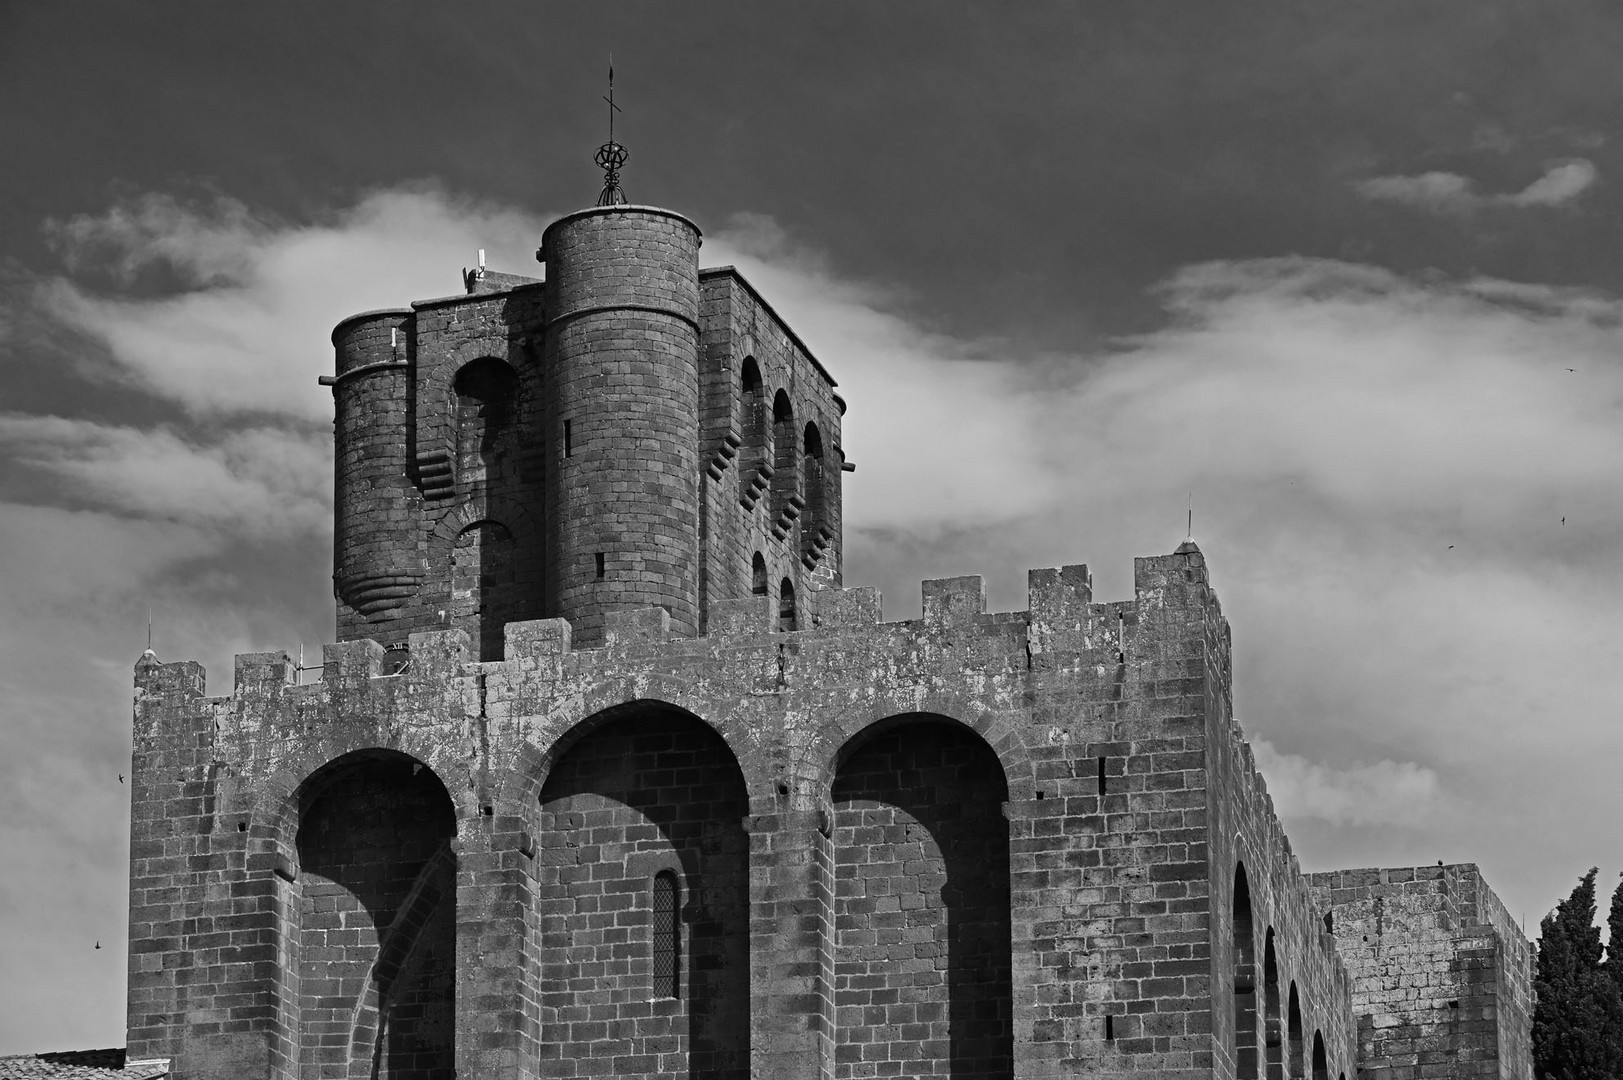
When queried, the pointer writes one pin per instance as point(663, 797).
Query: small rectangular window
point(600, 566)
point(569, 438)
point(1101, 776)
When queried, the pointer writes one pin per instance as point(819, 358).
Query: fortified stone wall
point(1288, 999)
point(857, 921)
point(1442, 975)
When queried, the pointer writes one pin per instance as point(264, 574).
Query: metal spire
point(611, 155)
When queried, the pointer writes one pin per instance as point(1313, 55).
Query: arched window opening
point(667, 935)
point(786, 606)
point(758, 585)
point(1294, 1037)
point(751, 410)
point(1321, 1064)
point(1273, 1036)
point(483, 599)
point(812, 468)
point(786, 497)
point(1245, 981)
point(486, 406)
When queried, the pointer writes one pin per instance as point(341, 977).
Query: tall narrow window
point(812, 482)
point(752, 409)
point(786, 606)
point(1245, 981)
point(785, 458)
point(758, 575)
point(667, 936)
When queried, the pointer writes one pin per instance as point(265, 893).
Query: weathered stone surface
point(594, 652)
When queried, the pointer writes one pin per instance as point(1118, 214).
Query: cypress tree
point(1578, 1018)
point(1614, 942)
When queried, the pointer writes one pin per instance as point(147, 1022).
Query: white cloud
point(264, 481)
point(1445, 191)
point(250, 334)
point(1378, 793)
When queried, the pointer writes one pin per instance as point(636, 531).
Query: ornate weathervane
point(611, 155)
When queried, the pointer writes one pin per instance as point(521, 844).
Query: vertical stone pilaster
point(791, 934)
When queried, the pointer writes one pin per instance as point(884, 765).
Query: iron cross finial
point(611, 155)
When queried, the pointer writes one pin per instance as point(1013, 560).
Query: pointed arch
point(751, 410)
point(376, 905)
point(919, 836)
point(1244, 980)
point(1273, 1036)
point(788, 616)
point(758, 582)
point(786, 494)
point(813, 482)
point(1321, 1063)
point(644, 861)
point(1293, 1036)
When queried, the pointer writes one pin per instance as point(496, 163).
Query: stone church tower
point(608, 776)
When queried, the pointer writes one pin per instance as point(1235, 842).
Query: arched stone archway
point(1245, 980)
point(376, 909)
point(922, 964)
point(640, 791)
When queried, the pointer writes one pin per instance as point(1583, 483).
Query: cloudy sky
point(1349, 274)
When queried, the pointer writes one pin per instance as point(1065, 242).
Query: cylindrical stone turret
point(622, 416)
point(376, 564)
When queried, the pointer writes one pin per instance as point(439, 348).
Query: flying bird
point(1451, 547)
point(121, 775)
point(98, 944)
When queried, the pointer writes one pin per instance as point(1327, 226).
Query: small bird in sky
point(121, 775)
point(1451, 547)
point(98, 944)
point(1563, 521)
point(1572, 369)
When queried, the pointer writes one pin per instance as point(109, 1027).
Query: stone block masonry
point(972, 844)
point(608, 776)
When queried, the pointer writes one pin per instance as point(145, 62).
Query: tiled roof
point(81, 1065)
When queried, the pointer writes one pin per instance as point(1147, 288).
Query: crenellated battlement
point(1061, 621)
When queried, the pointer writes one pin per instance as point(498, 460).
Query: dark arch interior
point(1273, 1037)
point(1321, 1065)
point(758, 584)
point(785, 454)
point(646, 790)
point(788, 617)
point(377, 920)
point(1294, 1036)
point(1245, 981)
point(922, 972)
point(486, 406)
point(812, 482)
point(752, 404)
